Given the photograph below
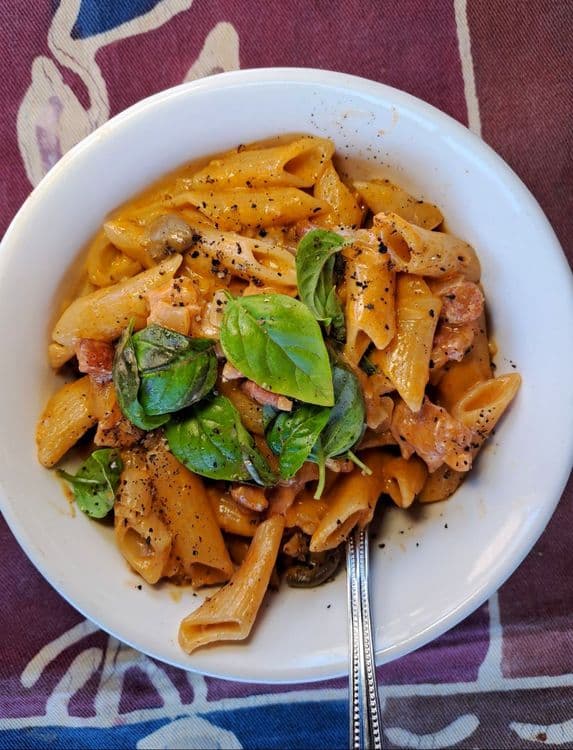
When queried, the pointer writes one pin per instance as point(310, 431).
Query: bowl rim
point(354, 85)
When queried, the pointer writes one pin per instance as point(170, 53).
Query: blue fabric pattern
point(97, 16)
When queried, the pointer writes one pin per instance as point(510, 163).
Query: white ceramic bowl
point(418, 592)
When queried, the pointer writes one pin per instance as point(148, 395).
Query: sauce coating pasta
point(262, 349)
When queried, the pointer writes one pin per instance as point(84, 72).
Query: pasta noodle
point(457, 377)
point(243, 207)
point(481, 407)
point(406, 361)
point(232, 517)
point(141, 535)
point(383, 196)
point(230, 613)
point(261, 351)
point(197, 539)
point(370, 307)
point(68, 415)
point(105, 313)
point(434, 435)
point(296, 164)
point(350, 503)
point(403, 478)
point(107, 265)
point(344, 209)
point(246, 258)
point(421, 251)
point(441, 484)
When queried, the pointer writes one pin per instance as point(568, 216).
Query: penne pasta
point(406, 361)
point(456, 378)
point(67, 417)
point(149, 234)
point(185, 507)
point(114, 430)
point(351, 502)
point(251, 412)
point(229, 614)
point(403, 478)
point(58, 355)
point(239, 208)
point(104, 314)
point(421, 251)
point(297, 164)
point(482, 406)
point(106, 264)
point(306, 513)
point(231, 517)
point(128, 231)
point(142, 537)
point(383, 196)
point(344, 209)
point(250, 259)
point(370, 305)
point(441, 484)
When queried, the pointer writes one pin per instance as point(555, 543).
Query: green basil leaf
point(156, 346)
point(175, 370)
point(274, 341)
point(126, 381)
point(293, 436)
point(346, 422)
point(96, 481)
point(211, 440)
point(183, 383)
point(315, 260)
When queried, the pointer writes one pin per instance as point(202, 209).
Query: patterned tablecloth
point(504, 677)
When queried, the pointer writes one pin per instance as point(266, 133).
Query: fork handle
point(365, 725)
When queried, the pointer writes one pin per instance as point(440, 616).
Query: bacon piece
point(266, 398)
point(434, 435)
point(174, 304)
point(452, 343)
point(462, 302)
point(95, 358)
point(303, 227)
point(253, 498)
point(376, 439)
point(283, 496)
point(230, 373)
point(378, 410)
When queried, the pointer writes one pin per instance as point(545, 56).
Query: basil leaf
point(293, 436)
point(175, 370)
point(346, 422)
point(156, 346)
point(274, 341)
point(315, 260)
point(96, 481)
point(212, 441)
point(126, 380)
point(344, 427)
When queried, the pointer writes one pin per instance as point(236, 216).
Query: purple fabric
point(503, 677)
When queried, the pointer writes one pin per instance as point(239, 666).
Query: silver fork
point(365, 725)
